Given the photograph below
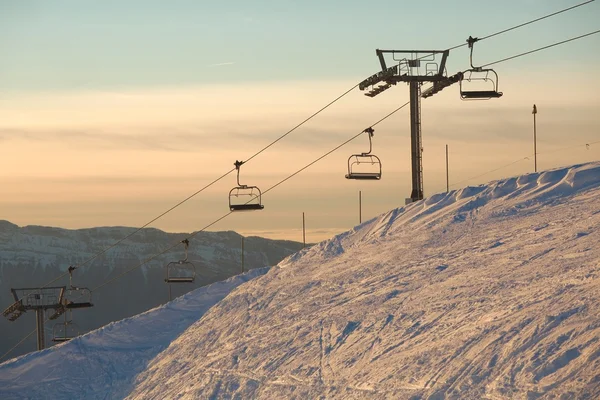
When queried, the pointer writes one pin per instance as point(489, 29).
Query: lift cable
point(301, 123)
point(516, 27)
point(532, 21)
point(18, 344)
point(587, 145)
point(140, 228)
point(489, 172)
point(231, 212)
point(22, 340)
point(522, 159)
point(336, 148)
point(542, 48)
point(520, 55)
point(205, 187)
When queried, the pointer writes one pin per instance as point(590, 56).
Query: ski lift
point(238, 194)
point(482, 82)
point(77, 297)
point(65, 331)
point(181, 271)
point(365, 166)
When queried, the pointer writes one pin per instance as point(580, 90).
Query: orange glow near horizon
point(85, 158)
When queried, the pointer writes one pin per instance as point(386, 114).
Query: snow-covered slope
point(485, 292)
point(102, 364)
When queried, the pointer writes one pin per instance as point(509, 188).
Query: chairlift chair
point(182, 271)
point(482, 82)
point(238, 194)
point(365, 166)
point(77, 297)
point(65, 331)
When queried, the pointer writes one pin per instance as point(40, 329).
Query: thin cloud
point(221, 64)
point(100, 139)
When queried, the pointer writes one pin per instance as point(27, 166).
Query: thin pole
point(242, 254)
point(360, 207)
point(170, 298)
point(534, 112)
point(447, 174)
point(303, 231)
point(39, 324)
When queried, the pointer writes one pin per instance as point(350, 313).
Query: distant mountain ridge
point(33, 255)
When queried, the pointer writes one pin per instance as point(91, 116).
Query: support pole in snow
point(242, 254)
point(534, 112)
point(360, 207)
point(39, 325)
point(303, 231)
point(447, 174)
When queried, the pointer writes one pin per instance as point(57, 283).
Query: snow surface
point(484, 292)
point(103, 363)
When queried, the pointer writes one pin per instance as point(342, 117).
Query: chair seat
point(180, 280)
point(480, 94)
point(79, 305)
point(61, 339)
point(246, 207)
point(364, 175)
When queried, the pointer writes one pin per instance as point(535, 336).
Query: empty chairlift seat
point(77, 297)
point(182, 271)
point(64, 331)
point(244, 197)
point(478, 83)
point(364, 166)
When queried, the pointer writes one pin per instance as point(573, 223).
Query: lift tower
point(413, 67)
point(38, 300)
point(41, 299)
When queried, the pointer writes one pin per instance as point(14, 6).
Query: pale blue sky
point(113, 111)
point(71, 44)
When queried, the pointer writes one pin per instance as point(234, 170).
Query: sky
point(112, 112)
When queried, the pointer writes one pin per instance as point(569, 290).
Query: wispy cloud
point(174, 138)
point(99, 139)
point(222, 64)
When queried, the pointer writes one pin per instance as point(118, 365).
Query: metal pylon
point(415, 141)
point(414, 67)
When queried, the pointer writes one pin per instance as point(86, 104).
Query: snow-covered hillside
point(485, 292)
point(102, 364)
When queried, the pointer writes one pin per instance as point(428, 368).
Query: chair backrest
point(364, 166)
point(250, 198)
